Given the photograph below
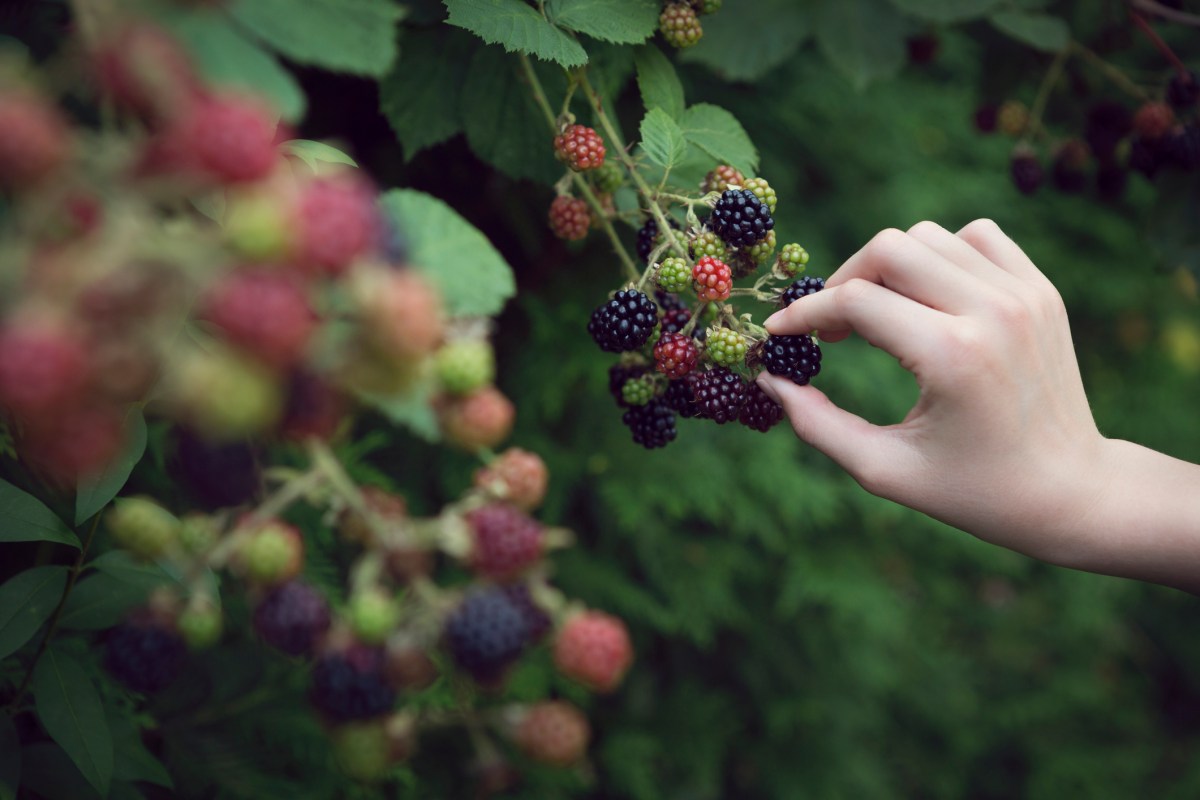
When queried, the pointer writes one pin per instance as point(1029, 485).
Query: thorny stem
point(581, 185)
point(1157, 41)
point(1118, 78)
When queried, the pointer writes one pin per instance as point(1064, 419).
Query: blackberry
point(638, 391)
point(668, 301)
point(1183, 90)
point(1181, 148)
point(215, 474)
point(675, 355)
point(922, 48)
point(986, 118)
point(675, 321)
point(719, 394)
point(292, 617)
point(505, 541)
point(740, 218)
point(763, 191)
point(1068, 171)
point(708, 243)
point(1145, 155)
point(674, 275)
point(679, 26)
point(625, 322)
point(802, 288)
point(1026, 172)
point(792, 260)
point(539, 621)
point(759, 412)
point(647, 237)
point(487, 633)
point(1108, 122)
point(618, 375)
point(351, 684)
point(144, 654)
point(795, 357)
point(680, 397)
point(652, 425)
point(1153, 119)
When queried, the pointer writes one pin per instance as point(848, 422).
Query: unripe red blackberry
point(675, 355)
point(1153, 119)
point(759, 412)
point(721, 178)
point(79, 442)
point(719, 394)
point(400, 311)
point(594, 648)
point(505, 541)
point(570, 218)
point(480, 419)
point(44, 367)
point(146, 70)
point(336, 222)
point(264, 312)
point(226, 137)
point(553, 732)
point(292, 617)
point(408, 667)
point(679, 25)
point(1026, 171)
point(34, 139)
point(712, 279)
point(517, 476)
point(580, 148)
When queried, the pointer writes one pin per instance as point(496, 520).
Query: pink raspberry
point(336, 222)
point(265, 312)
point(225, 137)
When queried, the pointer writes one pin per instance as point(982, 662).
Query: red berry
point(314, 409)
point(1152, 120)
point(264, 312)
point(226, 137)
point(594, 649)
point(675, 355)
point(408, 667)
point(34, 141)
point(78, 442)
point(712, 279)
point(481, 419)
point(336, 222)
point(144, 69)
point(553, 732)
point(401, 312)
point(570, 218)
point(580, 148)
point(517, 476)
point(44, 367)
point(721, 178)
point(505, 541)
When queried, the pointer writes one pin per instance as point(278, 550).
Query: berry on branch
point(570, 218)
point(797, 358)
point(721, 178)
point(652, 425)
point(712, 279)
point(675, 355)
point(580, 148)
point(679, 25)
point(708, 243)
point(720, 394)
point(740, 218)
point(674, 275)
point(807, 285)
point(553, 732)
point(763, 191)
point(505, 541)
point(594, 648)
point(486, 634)
point(1026, 171)
point(625, 322)
point(639, 391)
point(792, 260)
point(517, 476)
point(726, 347)
point(292, 618)
point(759, 412)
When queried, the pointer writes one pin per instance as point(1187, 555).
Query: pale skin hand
point(1001, 442)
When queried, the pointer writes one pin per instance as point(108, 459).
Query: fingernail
point(772, 318)
point(764, 383)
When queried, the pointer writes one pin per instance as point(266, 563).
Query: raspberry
point(760, 412)
point(517, 476)
point(350, 684)
point(200, 624)
point(486, 634)
point(1108, 122)
point(34, 139)
point(539, 621)
point(740, 218)
point(594, 649)
point(292, 617)
point(708, 243)
point(372, 614)
point(618, 376)
point(1183, 90)
point(1026, 172)
point(726, 347)
point(801, 288)
point(215, 474)
point(795, 357)
point(553, 732)
point(336, 222)
point(648, 237)
point(721, 178)
point(144, 69)
point(675, 355)
point(986, 118)
point(580, 148)
point(264, 313)
point(480, 419)
point(1181, 147)
point(1069, 169)
point(465, 365)
point(712, 279)
point(271, 552)
point(652, 425)
point(761, 253)
point(389, 509)
point(43, 368)
point(638, 391)
point(314, 408)
point(792, 260)
point(674, 275)
point(505, 541)
point(625, 322)
point(401, 311)
point(922, 48)
point(142, 527)
point(763, 191)
point(680, 397)
point(570, 218)
point(226, 137)
point(1012, 117)
point(1152, 120)
point(144, 653)
point(719, 394)
point(408, 666)
point(607, 178)
point(679, 25)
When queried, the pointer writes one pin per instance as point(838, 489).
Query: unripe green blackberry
point(143, 527)
point(465, 365)
point(761, 253)
point(679, 25)
point(708, 243)
point(762, 190)
point(198, 533)
point(674, 275)
point(792, 260)
point(607, 178)
point(726, 346)
point(200, 624)
point(639, 391)
point(373, 614)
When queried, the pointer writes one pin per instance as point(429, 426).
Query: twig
point(1119, 78)
point(1158, 43)
point(1166, 12)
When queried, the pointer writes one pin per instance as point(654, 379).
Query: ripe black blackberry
point(1026, 172)
point(539, 621)
point(351, 684)
point(144, 653)
point(618, 375)
point(1181, 148)
point(740, 218)
point(292, 617)
point(759, 412)
point(797, 358)
point(1183, 90)
point(652, 425)
point(215, 474)
point(680, 397)
point(668, 301)
point(647, 237)
point(719, 394)
point(673, 321)
point(486, 634)
point(1108, 122)
point(807, 285)
point(1068, 172)
point(625, 322)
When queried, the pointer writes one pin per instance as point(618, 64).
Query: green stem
point(1116, 76)
point(1043, 94)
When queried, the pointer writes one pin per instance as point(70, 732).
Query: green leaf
point(657, 81)
point(717, 133)
point(70, 711)
point(131, 760)
point(420, 95)
point(662, 140)
point(357, 36)
point(101, 600)
point(517, 27)
point(94, 493)
point(413, 410)
point(617, 21)
point(1041, 31)
point(474, 278)
point(47, 770)
point(23, 518)
point(225, 56)
point(864, 39)
point(776, 27)
point(10, 758)
point(314, 154)
point(26, 601)
point(946, 10)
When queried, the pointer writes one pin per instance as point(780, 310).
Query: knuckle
point(886, 242)
point(852, 293)
point(982, 227)
point(1012, 312)
point(924, 228)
